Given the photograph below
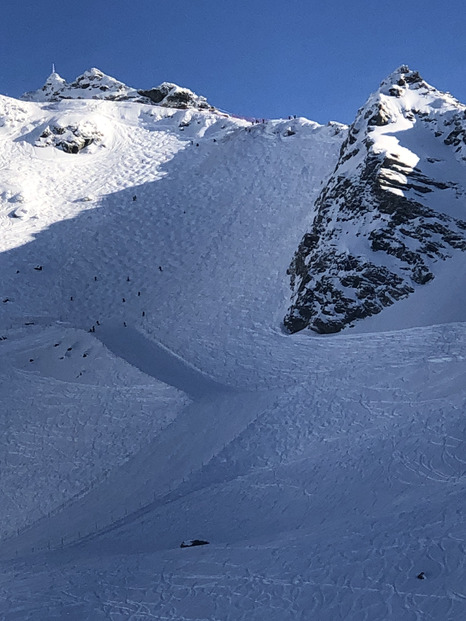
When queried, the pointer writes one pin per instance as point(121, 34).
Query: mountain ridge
point(94, 84)
point(385, 216)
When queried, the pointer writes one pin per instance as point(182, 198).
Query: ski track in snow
point(326, 472)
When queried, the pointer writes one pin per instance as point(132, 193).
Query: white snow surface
point(149, 395)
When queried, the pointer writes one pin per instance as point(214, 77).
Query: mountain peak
point(93, 71)
point(92, 84)
point(55, 78)
point(390, 211)
point(53, 84)
point(401, 79)
point(403, 72)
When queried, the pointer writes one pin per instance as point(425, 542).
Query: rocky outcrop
point(172, 96)
point(378, 232)
point(70, 139)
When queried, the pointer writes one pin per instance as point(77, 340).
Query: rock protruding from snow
point(192, 543)
point(70, 139)
point(392, 208)
point(172, 96)
point(94, 84)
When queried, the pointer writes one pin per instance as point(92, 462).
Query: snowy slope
point(209, 208)
point(150, 396)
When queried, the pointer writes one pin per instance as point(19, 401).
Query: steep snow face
point(174, 224)
point(394, 206)
point(220, 205)
point(58, 159)
point(94, 84)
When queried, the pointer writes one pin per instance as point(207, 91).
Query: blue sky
point(264, 58)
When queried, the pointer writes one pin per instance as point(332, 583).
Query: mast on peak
point(53, 67)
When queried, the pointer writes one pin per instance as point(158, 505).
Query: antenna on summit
point(53, 67)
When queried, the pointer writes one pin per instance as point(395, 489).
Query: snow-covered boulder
point(71, 139)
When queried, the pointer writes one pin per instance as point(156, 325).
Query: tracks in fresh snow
point(155, 360)
point(215, 417)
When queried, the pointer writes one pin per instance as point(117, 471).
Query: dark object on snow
point(38, 268)
point(135, 197)
point(69, 139)
point(160, 268)
point(193, 542)
point(5, 300)
point(421, 576)
point(31, 359)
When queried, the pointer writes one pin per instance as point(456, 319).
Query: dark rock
point(69, 139)
point(156, 95)
point(191, 543)
point(172, 96)
point(380, 117)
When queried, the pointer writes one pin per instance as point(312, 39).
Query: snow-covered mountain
point(393, 207)
point(150, 394)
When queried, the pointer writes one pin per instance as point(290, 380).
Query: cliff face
point(394, 206)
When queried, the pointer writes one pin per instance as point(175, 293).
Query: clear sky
point(264, 58)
